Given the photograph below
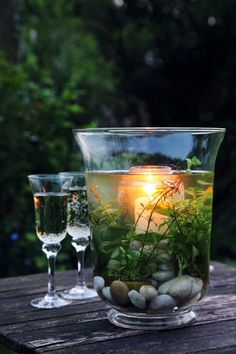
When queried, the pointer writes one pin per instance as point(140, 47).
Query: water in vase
point(151, 236)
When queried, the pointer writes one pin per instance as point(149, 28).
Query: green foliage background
point(109, 63)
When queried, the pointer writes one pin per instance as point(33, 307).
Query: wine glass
point(78, 228)
point(51, 194)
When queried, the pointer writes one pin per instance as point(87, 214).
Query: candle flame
point(149, 188)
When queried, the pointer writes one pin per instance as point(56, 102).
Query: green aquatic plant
point(192, 162)
point(182, 239)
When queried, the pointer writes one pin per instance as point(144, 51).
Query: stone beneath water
point(137, 299)
point(106, 292)
point(164, 257)
point(134, 285)
point(98, 283)
point(119, 292)
point(162, 303)
point(165, 266)
point(148, 291)
point(163, 275)
point(182, 288)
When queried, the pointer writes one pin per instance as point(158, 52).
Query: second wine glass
point(78, 228)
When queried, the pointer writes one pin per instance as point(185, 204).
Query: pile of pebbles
point(171, 293)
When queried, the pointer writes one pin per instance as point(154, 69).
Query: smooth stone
point(152, 267)
point(136, 299)
point(163, 275)
point(197, 286)
point(182, 288)
point(154, 283)
point(106, 292)
point(148, 291)
point(162, 303)
point(164, 258)
point(113, 264)
point(165, 266)
point(163, 244)
point(137, 245)
point(119, 292)
point(98, 283)
point(134, 285)
point(194, 300)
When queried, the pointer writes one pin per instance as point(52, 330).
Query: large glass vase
point(150, 196)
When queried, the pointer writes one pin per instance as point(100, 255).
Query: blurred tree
point(8, 28)
point(54, 87)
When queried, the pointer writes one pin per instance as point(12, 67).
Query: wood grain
point(82, 327)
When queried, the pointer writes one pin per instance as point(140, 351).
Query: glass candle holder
point(150, 203)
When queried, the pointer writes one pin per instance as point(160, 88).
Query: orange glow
point(150, 188)
point(36, 202)
point(209, 189)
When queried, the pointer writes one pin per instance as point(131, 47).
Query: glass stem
point(51, 251)
point(80, 278)
point(80, 247)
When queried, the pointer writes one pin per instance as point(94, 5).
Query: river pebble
point(106, 292)
point(182, 288)
point(162, 303)
point(119, 292)
point(148, 291)
point(137, 299)
point(163, 275)
point(98, 283)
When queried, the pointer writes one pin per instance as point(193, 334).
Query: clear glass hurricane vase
point(79, 229)
point(150, 201)
point(50, 194)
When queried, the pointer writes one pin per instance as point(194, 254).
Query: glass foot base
point(78, 293)
point(152, 322)
point(49, 302)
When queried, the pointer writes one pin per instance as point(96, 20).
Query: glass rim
point(73, 173)
point(45, 176)
point(164, 130)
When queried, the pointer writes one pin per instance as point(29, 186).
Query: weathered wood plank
point(98, 330)
point(183, 340)
point(22, 305)
point(82, 326)
point(211, 308)
point(36, 315)
point(28, 281)
point(186, 340)
point(24, 312)
point(57, 323)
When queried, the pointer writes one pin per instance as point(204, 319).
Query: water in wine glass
point(78, 225)
point(78, 228)
point(51, 216)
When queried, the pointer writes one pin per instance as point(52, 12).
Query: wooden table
point(83, 328)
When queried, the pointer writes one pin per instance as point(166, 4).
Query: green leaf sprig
point(192, 162)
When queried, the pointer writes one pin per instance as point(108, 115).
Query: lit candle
point(147, 193)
